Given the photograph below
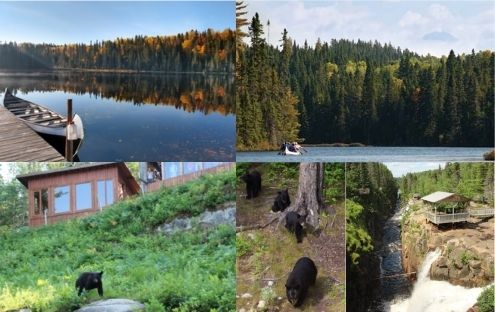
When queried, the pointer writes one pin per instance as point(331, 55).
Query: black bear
point(293, 224)
point(253, 183)
point(88, 281)
point(282, 201)
point(302, 276)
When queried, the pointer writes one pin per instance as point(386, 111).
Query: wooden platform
point(18, 142)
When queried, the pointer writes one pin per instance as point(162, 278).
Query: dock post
point(69, 143)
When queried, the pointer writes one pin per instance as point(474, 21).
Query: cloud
point(418, 26)
point(440, 12)
point(439, 36)
point(412, 19)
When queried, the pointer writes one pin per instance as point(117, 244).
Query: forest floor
point(266, 256)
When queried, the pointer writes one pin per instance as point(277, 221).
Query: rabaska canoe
point(51, 125)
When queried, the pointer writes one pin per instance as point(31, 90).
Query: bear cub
point(253, 183)
point(282, 201)
point(293, 224)
point(88, 281)
point(300, 279)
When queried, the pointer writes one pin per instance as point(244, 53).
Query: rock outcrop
point(205, 220)
point(461, 265)
point(467, 250)
point(113, 305)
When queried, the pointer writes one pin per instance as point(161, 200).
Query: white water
point(436, 296)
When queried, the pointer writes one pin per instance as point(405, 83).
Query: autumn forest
point(193, 51)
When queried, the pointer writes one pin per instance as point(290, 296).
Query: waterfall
point(436, 296)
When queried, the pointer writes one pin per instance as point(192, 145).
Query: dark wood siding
point(92, 175)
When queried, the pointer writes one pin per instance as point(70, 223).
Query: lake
point(140, 117)
point(371, 154)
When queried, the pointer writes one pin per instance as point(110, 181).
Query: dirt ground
point(265, 257)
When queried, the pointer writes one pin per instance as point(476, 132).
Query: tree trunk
point(309, 199)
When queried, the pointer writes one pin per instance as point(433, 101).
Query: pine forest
point(342, 91)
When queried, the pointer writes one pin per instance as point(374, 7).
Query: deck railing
point(481, 212)
point(447, 218)
point(154, 186)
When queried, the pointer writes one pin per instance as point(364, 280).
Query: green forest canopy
point(192, 51)
point(368, 92)
point(473, 180)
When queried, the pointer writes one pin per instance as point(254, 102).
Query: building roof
point(437, 197)
point(123, 169)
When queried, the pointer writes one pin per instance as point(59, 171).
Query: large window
point(211, 164)
point(62, 199)
point(40, 201)
point(105, 193)
point(172, 169)
point(83, 196)
point(190, 167)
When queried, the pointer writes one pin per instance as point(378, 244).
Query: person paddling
point(298, 147)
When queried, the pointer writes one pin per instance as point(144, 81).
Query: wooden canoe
point(49, 124)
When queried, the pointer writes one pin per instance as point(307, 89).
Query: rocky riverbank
point(467, 249)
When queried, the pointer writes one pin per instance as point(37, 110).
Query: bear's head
point(246, 177)
point(284, 195)
point(293, 291)
point(97, 277)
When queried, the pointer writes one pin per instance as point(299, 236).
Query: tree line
point(473, 180)
point(191, 93)
point(192, 51)
point(346, 91)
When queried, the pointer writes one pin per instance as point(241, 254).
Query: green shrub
point(358, 240)
point(485, 300)
point(188, 271)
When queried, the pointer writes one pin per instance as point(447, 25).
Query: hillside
point(342, 91)
point(192, 270)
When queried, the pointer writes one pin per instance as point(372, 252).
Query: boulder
point(441, 262)
point(113, 305)
point(475, 264)
point(206, 220)
point(458, 274)
point(489, 155)
point(213, 218)
point(437, 273)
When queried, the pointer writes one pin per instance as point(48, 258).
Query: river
point(371, 154)
point(396, 294)
point(141, 117)
point(393, 284)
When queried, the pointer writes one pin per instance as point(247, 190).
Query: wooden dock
point(18, 142)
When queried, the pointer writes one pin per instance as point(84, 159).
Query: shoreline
point(105, 70)
point(351, 145)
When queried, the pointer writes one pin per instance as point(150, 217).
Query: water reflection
point(191, 93)
point(140, 117)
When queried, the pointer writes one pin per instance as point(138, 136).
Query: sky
point(82, 22)
point(4, 172)
point(400, 169)
point(421, 26)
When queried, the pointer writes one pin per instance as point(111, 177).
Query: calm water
point(140, 117)
point(371, 154)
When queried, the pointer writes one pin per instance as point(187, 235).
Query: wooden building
point(446, 208)
point(154, 175)
point(82, 190)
